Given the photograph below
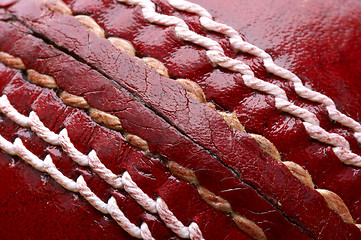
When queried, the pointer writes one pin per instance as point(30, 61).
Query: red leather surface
point(67, 215)
point(184, 60)
point(184, 150)
point(318, 40)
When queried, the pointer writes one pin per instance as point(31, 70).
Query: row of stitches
point(112, 122)
point(239, 44)
point(333, 201)
point(118, 182)
point(215, 53)
point(194, 91)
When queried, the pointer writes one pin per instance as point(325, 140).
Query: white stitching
point(43, 132)
point(7, 146)
point(170, 220)
point(108, 176)
point(143, 199)
point(13, 114)
point(80, 186)
point(73, 153)
point(239, 44)
point(124, 222)
point(66, 182)
point(194, 232)
point(146, 233)
point(28, 156)
point(88, 194)
point(190, 7)
point(216, 55)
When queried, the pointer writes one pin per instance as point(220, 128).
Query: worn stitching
point(239, 44)
point(17, 148)
point(92, 160)
point(215, 53)
point(303, 176)
point(234, 215)
point(158, 206)
point(215, 201)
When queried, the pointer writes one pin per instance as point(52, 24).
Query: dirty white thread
point(66, 182)
point(43, 132)
point(73, 153)
point(105, 173)
point(28, 156)
point(93, 199)
point(170, 220)
point(238, 44)
point(118, 215)
point(143, 199)
point(216, 55)
point(12, 113)
point(80, 185)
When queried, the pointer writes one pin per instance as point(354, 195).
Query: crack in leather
point(41, 168)
point(111, 25)
point(228, 167)
point(168, 120)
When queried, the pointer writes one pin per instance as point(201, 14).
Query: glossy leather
point(299, 35)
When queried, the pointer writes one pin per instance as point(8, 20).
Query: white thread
point(222, 60)
point(144, 231)
point(194, 232)
point(170, 220)
point(7, 146)
point(103, 172)
point(124, 222)
point(190, 7)
point(239, 44)
point(292, 109)
point(352, 158)
point(216, 55)
point(28, 156)
point(93, 199)
point(190, 36)
point(68, 147)
point(12, 113)
point(143, 199)
point(319, 133)
point(66, 182)
point(43, 132)
point(80, 185)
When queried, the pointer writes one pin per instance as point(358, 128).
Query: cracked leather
point(176, 127)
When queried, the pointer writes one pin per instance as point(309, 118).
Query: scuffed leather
point(255, 110)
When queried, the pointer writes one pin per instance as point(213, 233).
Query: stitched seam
point(194, 180)
point(229, 168)
point(108, 176)
point(239, 44)
point(340, 145)
point(232, 214)
point(62, 139)
point(235, 215)
point(92, 160)
point(216, 202)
